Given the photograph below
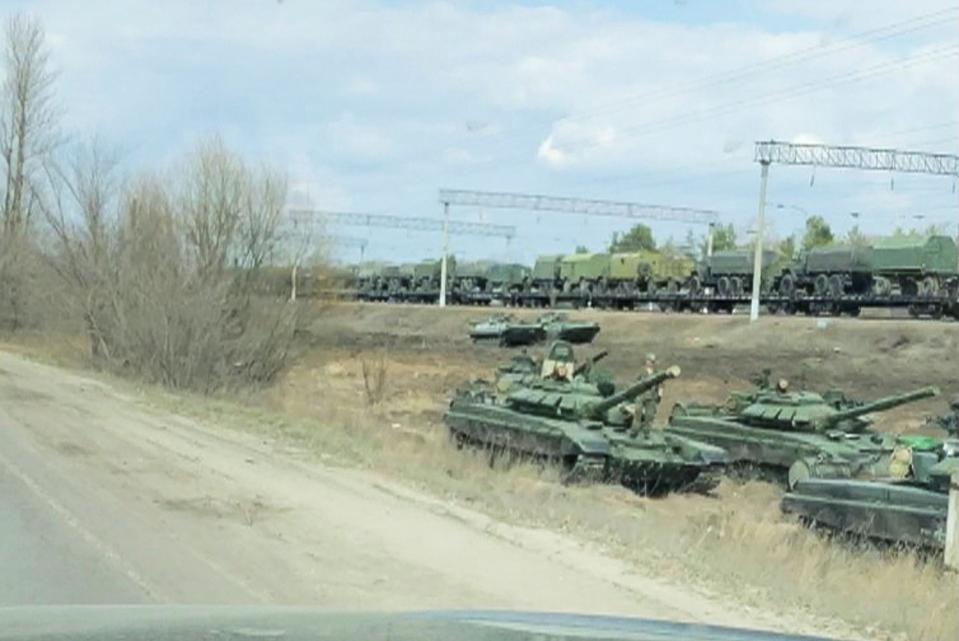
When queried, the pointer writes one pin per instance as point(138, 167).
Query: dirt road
point(104, 499)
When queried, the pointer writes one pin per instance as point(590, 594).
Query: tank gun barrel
point(879, 405)
point(634, 390)
point(585, 365)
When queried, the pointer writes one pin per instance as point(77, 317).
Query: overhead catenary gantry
point(412, 224)
point(406, 222)
point(844, 157)
point(568, 205)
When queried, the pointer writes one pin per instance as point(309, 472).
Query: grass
point(736, 544)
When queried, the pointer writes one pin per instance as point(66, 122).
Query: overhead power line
point(788, 93)
point(405, 222)
point(887, 32)
point(562, 204)
point(844, 157)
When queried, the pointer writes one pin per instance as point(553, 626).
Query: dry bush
point(165, 272)
point(374, 372)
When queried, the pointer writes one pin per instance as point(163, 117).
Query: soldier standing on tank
point(950, 422)
point(648, 402)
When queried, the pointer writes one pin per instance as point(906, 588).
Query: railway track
point(937, 306)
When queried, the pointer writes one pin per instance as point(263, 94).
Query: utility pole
point(709, 239)
point(848, 157)
point(952, 524)
point(758, 251)
point(446, 251)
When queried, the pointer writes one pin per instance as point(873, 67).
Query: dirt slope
point(866, 357)
point(193, 513)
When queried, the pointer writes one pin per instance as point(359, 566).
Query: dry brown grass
point(735, 544)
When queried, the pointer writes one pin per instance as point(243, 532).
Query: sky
point(373, 106)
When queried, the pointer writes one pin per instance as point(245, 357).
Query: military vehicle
point(909, 505)
point(507, 331)
point(582, 423)
point(728, 274)
point(559, 327)
point(788, 436)
point(649, 272)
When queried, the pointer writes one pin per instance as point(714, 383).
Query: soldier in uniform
point(950, 422)
point(648, 402)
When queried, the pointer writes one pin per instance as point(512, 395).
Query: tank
point(584, 425)
point(559, 327)
point(506, 331)
point(777, 433)
point(909, 506)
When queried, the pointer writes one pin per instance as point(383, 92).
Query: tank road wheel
point(820, 285)
point(724, 286)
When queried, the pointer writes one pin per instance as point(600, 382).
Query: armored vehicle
point(507, 331)
point(584, 424)
point(790, 436)
point(559, 327)
point(909, 505)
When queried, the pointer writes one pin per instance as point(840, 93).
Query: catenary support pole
point(709, 239)
point(952, 525)
point(758, 252)
point(446, 251)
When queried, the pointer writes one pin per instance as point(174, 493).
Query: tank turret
point(809, 411)
point(880, 405)
point(642, 385)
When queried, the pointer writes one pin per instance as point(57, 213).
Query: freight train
point(920, 273)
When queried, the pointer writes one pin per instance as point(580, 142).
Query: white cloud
point(375, 105)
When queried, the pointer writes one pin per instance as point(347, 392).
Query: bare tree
point(165, 271)
point(28, 122)
point(28, 116)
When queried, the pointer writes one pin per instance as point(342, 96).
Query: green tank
point(584, 424)
point(910, 505)
point(788, 436)
point(558, 326)
point(506, 331)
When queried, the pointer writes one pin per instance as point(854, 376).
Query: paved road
point(103, 500)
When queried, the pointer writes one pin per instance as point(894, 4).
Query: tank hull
point(653, 463)
point(507, 334)
point(572, 332)
point(887, 511)
point(776, 451)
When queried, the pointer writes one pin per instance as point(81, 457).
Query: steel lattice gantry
point(843, 157)
point(916, 162)
point(406, 222)
point(562, 204)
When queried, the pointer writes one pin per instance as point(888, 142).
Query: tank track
point(586, 469)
